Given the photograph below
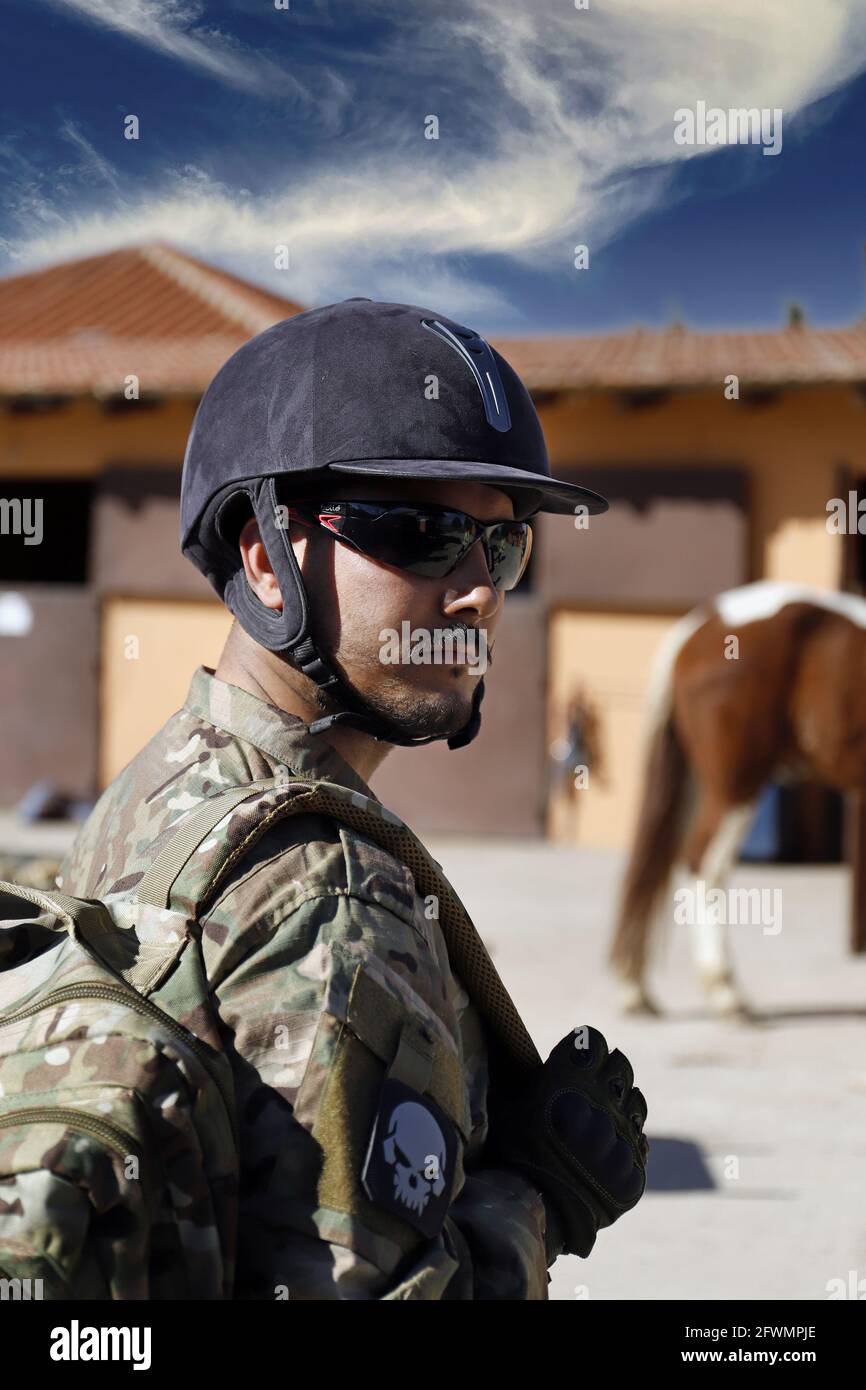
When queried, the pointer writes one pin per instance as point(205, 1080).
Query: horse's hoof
point(633, 999)
point(725, 1002)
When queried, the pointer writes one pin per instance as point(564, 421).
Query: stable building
point(720, 453)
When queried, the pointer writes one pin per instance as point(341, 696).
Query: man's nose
point(470, 585)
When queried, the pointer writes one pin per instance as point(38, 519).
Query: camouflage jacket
point(309, 900)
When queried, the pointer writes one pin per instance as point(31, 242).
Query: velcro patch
point(410, 1163)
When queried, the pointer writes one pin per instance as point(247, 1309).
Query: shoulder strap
point(300, 795)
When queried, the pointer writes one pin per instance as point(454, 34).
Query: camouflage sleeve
point(354, 1114)
point(499, 1213)
point(502, 1219)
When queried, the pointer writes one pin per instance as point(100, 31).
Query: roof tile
point(83, 326)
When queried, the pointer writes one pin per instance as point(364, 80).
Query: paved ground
point(785, 1096)
point(49, 838)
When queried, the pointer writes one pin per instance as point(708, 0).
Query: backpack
point(119, 1164)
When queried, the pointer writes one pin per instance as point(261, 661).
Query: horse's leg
point(712, 850)
point(653, 852)
point(632, 996)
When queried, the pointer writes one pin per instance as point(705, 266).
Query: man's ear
point(257, 566)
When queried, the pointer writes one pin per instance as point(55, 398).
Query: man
point(348, 470)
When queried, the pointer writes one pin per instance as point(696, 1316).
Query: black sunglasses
point(426, 540)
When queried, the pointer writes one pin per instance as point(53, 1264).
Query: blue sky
point(305, 126)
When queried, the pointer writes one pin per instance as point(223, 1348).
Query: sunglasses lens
point(429, 544)
point(433, 544)
point(508, 550)
point(418, 542)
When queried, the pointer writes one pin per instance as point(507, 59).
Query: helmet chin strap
point(358, 714)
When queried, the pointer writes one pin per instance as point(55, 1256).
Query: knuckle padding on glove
point(587, 1135)
point(617, 1066)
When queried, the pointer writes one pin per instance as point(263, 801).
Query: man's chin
point(440, 707)
point(428, 714)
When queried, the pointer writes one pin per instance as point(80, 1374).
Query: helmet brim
point(542, 494)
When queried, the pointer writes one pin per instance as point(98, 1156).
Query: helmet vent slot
point(485, 371)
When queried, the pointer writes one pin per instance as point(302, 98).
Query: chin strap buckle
point(310, 662)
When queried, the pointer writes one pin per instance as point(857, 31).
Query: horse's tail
point(661, 817)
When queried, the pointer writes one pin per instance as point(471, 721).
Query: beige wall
point(48, 684)
point(792, 451)
point(792, 448)
point(80, 437)
point(150, 649)
point(609, 655)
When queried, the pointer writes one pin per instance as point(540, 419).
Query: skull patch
point(410, 1160)
point(415, 1149)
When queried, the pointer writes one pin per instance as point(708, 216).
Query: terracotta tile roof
point(82, 326)
point(680, 357)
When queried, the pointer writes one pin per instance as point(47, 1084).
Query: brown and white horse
point(767, 681)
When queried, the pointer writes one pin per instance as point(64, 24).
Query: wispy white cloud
point(91, 159)
point(167, 25)
point(173, 28)
point(546, 112)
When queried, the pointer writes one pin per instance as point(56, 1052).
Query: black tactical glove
point(575, 1130)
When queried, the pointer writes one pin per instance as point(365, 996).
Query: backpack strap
point(467, 952)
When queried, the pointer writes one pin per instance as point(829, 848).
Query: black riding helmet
point(361, 388)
